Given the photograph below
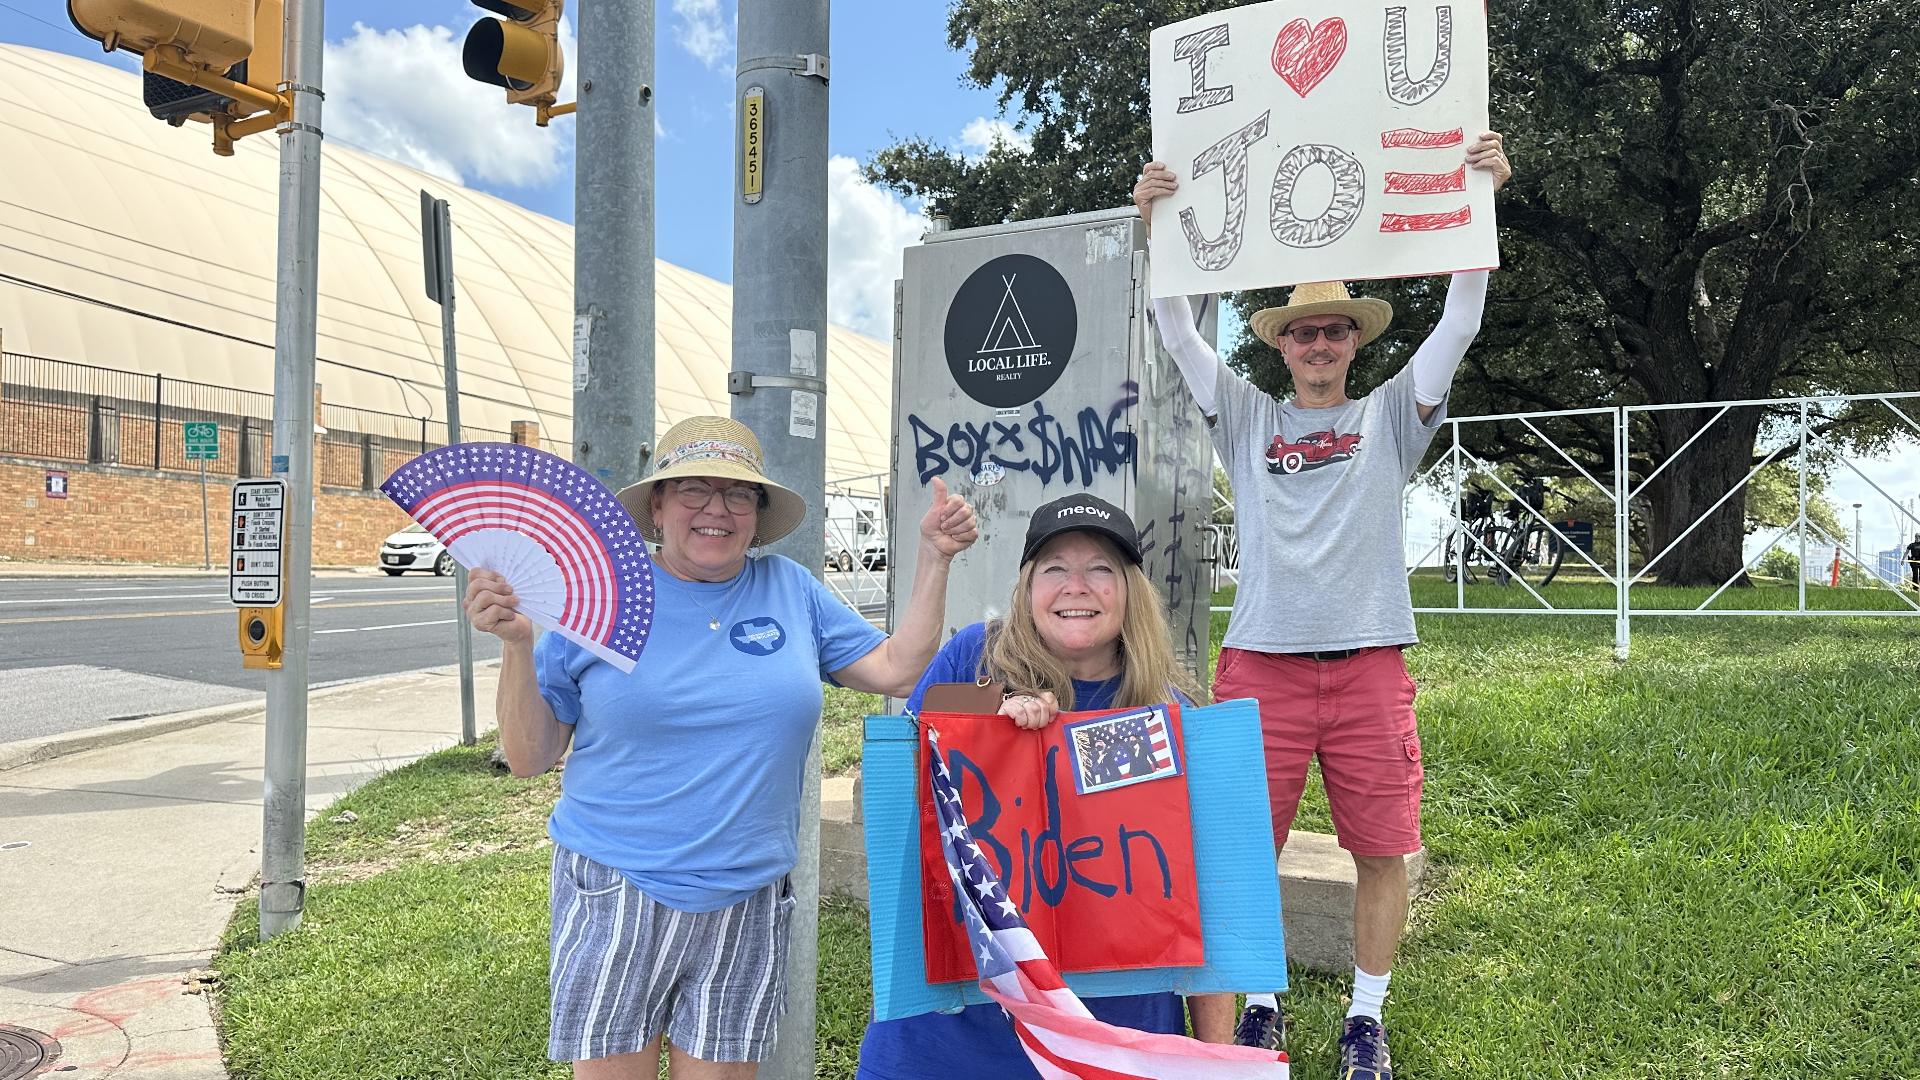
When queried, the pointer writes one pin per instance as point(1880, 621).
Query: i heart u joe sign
point(1317, 140)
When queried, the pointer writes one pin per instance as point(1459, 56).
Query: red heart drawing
point(1304, 56)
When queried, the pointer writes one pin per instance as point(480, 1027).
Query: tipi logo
point(1010, 331)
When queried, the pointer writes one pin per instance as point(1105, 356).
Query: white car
point(874, 555)
point(414, 548)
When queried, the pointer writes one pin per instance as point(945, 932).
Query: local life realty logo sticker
point(1010, 331)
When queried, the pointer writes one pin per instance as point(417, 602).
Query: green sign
point(203, 441)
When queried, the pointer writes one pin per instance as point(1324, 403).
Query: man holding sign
point(1324, 608)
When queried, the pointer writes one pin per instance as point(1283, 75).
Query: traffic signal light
point(216, 61)
point(520, 52)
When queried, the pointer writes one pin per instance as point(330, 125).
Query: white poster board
point(1320, 140)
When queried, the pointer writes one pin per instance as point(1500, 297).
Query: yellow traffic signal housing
point(214, 34)
point(262, 636)
point(520, 52)
point(216, 61)
point(177, 102)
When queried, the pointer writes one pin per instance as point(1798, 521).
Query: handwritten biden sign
point(1317, 140)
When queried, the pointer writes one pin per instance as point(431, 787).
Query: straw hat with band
point(718, 447)
point(1323, 298)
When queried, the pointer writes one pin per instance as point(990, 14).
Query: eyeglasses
point(1304, 335)
point(698, 494)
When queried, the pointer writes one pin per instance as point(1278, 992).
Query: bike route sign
point(203, 440)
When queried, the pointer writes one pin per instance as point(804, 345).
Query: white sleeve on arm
point(1439, 356)
point(1199, 364)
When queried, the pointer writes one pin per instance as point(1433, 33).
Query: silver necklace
point(713, 618)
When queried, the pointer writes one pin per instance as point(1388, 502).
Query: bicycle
point(1525, 547)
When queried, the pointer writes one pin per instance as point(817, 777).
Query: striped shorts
point(626, 968)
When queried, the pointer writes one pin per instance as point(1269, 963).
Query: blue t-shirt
point(978, 1040)
point(685, 774)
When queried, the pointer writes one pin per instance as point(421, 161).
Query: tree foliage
point(1714, 200)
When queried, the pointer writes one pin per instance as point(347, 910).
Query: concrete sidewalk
point(121, 864)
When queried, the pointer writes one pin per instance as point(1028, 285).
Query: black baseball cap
point(1081, 513)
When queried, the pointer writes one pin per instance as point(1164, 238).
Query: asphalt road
point(80, 652)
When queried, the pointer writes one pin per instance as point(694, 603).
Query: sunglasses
point(1304, 335)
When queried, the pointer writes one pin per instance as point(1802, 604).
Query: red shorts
point(1357, 715)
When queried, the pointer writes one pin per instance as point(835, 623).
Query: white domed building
point(135, 263)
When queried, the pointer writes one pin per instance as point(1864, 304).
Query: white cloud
point(867, 229)
point(704, 32)
point(403, 94)
point(981, 133)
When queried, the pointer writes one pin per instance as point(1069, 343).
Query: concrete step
point(1316, 900)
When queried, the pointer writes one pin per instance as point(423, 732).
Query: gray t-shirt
point(1317, 504)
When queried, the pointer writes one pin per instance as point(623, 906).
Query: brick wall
point(116, 514)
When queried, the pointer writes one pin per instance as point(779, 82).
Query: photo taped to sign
point(1315, 141)
point(1118, 751)
point(1010, 331)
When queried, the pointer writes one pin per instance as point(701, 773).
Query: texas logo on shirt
point(1309, 452)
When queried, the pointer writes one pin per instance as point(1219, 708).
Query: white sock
point(1369, 994)
point(1268, 1000)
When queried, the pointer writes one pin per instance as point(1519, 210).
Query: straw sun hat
point(719, 447)
point(1323, 298)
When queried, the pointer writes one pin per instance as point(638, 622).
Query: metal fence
point(857, 563)
point(1497, 536)
point(59, 410)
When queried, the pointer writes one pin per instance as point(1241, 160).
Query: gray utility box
point(1026, 368)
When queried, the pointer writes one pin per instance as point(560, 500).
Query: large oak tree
point(1715, 200)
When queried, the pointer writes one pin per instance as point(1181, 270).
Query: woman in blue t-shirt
point(1084, 631)
point(675, 828)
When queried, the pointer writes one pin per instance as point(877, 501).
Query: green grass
point(1582, 588)
point(842, 729)
point(1701, 862)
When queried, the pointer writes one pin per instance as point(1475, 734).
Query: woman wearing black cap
point(1084, 630)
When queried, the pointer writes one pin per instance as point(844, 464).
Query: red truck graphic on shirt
point(1311, 451)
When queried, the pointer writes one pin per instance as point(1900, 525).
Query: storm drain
point(24, 1052)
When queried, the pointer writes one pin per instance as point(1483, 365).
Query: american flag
point(487, 501)
point(1061, 1038)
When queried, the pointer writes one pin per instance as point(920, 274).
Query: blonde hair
point(1016, 655)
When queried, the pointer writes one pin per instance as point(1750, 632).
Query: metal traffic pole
point(283, 848)
point(436, 244)
point(613, 401)
point(778, 379)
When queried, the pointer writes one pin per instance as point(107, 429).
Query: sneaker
point(1363, 1051)
point(1262, 1027)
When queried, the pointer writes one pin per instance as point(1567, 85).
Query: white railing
point(856, 534)
point(1500, 544)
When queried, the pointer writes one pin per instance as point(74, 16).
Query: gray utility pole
point(1859, 541)
point(613, 407)
point(436, 248)
point(779, 352)
point(283, 850)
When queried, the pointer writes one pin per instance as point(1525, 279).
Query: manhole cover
point(24, 1052)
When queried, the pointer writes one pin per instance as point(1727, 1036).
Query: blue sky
point(395, 87)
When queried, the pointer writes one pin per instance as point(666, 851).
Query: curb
point(49, 747)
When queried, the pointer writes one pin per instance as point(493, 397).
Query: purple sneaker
point(1363, 1051)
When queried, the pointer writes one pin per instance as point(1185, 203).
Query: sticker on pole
point(259, 536)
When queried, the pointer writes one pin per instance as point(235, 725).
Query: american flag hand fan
point(571, 552)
